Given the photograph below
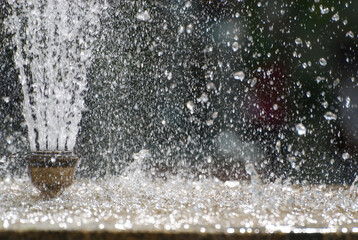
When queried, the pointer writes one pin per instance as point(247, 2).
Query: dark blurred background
point(208, 86)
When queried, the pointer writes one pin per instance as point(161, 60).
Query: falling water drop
point(322, 62)
point(346, 155)
point(350, 34)
point(240, 75)
point(6, 99)
point(324, 10)
point(330, 116)
point(235, 46)
point(189, 28)
point(190, 106)
point(143, 16)
point(301, 129)
point(298, 41)
point(335, 17)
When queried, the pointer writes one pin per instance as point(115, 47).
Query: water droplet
point(348, 102)
point(330, 116)
point(189, 28)
point(240, 75)
point(275, 106)
point(6, 223)
point(308, 94)
point(350, 34)
point(190, 106)
point(298, 41)
point(203, 98)
point(325, 104)
point(319, 79)
point(324, 10)
point(301, 129)
point(143, 16)
point(322, 62)
point(335, 17)
point(181, 29)
point(308, 44)
point(169, 75)
point(252, 82)
point(188, 4)
point(10, 139)
point(53, 159)
point(278, 146)
point(235, 46)
point(346, 155)
point(6, 99)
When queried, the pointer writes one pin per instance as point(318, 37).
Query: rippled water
point(136, 202)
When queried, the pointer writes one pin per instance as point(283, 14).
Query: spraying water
point(54, 43)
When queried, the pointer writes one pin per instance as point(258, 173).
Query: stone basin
point(134, 206)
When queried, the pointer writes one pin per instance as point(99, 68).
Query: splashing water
point(54, 41)
point(134, 202)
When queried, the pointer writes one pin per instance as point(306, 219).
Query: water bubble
point(330, 116)
point(345, 155)
point(275, 107)
point(230, 230)
point(322, 62)
point(240, 75)
point(53, 159)
point(308, 94)
point(301, 129)
point(235, 46)
point(335, 17)
point(143, 16)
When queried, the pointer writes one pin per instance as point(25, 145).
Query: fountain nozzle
point(52, 171)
